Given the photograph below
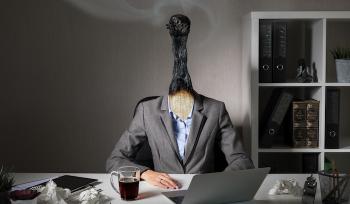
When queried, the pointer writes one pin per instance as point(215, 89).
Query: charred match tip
point(179, 25)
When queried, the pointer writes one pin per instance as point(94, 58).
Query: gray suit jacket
point(211, 127)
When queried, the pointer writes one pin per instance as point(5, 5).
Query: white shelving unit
point(316, 23)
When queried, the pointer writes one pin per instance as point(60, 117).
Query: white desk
point(152, 195)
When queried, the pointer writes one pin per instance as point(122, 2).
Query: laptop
point(221, 187)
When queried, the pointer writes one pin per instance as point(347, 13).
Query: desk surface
point(152, 195)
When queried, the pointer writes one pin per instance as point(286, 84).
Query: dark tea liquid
point(128, 188)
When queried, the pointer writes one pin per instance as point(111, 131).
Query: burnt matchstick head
point(179, 25)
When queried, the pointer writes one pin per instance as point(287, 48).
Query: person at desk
point(183, 128)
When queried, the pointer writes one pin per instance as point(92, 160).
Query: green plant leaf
point(6, 180)
point(340, 53)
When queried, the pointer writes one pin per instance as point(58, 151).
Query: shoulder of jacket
point(211, 101)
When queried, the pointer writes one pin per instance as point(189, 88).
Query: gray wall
point(71, 73)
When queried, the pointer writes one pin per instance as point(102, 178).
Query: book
point(305, 137)
point(279, 51)
point(306, 123)
point(270, 130)
point(332, 118)
point(265, 51)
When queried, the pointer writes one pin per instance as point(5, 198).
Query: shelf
point(337, 84)
point(345, 149)
point(310, 36)
point(300, 14)
point(332, 84)
point(292, 150)
point(289, 150)
point(290, 84)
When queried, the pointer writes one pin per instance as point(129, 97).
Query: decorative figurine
point(304, 73)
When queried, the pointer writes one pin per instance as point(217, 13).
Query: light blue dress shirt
point(181, 130)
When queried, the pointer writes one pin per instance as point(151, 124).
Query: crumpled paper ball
point(90, 196)
point(51, 194)
point(289, 186)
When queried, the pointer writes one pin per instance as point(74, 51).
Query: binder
point(276, 118)
point(265, 51)
point(279, 51)
point(332, 118)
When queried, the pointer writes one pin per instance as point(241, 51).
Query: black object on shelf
point(289, 162)
point(265, 51)
point(304, 73)
point(276, 117)
point(332, 118)
point(279, 51)
point(310, 162)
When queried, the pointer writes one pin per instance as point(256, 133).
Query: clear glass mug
point(128, 182)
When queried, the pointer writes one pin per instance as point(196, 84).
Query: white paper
point(51, 194)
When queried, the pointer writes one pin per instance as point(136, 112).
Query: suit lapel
point(198, 121)
point(167, 125)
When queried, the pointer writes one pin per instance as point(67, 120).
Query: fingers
point(167, 181)
point(159, 184)
point(162, 180)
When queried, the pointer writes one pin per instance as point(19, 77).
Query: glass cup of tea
point(128, 182)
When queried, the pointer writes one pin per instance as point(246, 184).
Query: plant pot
point(343, 70)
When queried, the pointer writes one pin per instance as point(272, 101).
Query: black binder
point(332, 118)
point(279, 51)
point(265, 51)
point(275, 120)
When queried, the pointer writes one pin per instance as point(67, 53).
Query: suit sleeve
point(231, 144)
point(129, 144)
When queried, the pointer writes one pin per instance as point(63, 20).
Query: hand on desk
point(162, 180)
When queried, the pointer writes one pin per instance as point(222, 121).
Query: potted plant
point(6, 183)
point(342, 64)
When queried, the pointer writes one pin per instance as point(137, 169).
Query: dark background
point(71, 71)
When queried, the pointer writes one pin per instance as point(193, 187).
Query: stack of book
point(306, 123)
